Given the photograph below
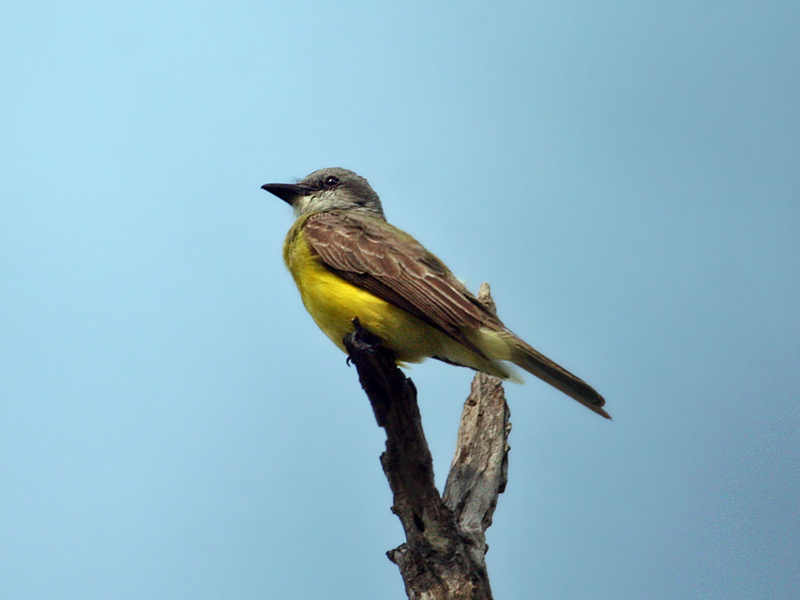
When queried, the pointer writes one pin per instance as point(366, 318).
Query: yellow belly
point(333, 303)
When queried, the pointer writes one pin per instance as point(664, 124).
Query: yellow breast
point(334, 302)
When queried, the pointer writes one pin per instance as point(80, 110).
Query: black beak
point(288, 192)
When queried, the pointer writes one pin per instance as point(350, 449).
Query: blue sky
point(625, 175)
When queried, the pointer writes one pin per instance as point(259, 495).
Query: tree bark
point(443, 556)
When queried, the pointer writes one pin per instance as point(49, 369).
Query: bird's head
point(333, 188)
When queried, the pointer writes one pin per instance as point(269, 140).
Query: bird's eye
point(331, 181)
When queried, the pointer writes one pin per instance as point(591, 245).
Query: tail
point(545, 369)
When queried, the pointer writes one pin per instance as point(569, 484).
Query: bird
point(349, 262)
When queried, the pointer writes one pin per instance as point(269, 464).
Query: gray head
point(328, 189)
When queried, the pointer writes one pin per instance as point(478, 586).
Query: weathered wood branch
point(443, 557)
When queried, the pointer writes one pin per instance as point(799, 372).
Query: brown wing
point(391, 264)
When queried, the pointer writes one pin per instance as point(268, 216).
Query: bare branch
point(479, 471)
point(443, 557)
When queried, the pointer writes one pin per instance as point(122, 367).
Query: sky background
point(625, 174)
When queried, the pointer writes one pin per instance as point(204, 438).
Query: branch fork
point(444, 553)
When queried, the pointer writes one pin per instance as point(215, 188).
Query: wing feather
point(389, 263)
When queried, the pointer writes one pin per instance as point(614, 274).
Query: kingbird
point(348, 261)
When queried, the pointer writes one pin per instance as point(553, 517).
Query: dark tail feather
point(545, 369)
